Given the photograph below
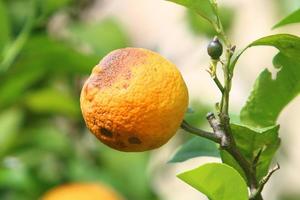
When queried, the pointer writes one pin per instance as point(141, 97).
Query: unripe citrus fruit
point(134, 100)
point(81, 191)
point(215, 49)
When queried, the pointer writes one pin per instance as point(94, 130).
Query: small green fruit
point(215, 49)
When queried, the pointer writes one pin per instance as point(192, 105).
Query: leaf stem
point(218, 83)
point(212, 71)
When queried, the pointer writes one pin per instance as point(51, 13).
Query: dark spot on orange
point(134, 140)
point(106, 132)
point(117, 65)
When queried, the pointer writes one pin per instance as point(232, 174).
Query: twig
point(212, 71)
point(209, 135)
point(218, 83)
point(263, 182)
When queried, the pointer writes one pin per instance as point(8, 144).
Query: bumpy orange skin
point(134, 100)
point(81, 191)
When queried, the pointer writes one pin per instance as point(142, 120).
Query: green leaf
point(250, 141)
point(270, 96)
point(195, 147)
point(14, 84)
point(101, 38)
point(217, 181)
point(200, 26)
point(47, 138)
point(56, 56)
point(290, 19)
point(228, 159)
point(15, 176)
point(18, 15)
point(41, 56)
point(5, 33)
point(287, 44)
point(52, 101)
point(86, 171)
point(202, 7)
point(10, 122)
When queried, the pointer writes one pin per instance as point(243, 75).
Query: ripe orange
point(81, 191)
point(134, 100)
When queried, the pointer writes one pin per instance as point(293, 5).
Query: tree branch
point(222, 129)
point(209, 135)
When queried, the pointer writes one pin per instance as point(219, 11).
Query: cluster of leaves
point(43, 139)
point(256, 130)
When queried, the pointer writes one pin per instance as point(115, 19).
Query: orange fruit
point(81, 191)
point(134, 100)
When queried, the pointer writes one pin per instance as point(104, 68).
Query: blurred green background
point(43, 139)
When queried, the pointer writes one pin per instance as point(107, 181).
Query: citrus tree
point(135, 100)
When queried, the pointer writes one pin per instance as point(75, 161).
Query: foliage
point(261, 111)
point(292, 18)
point(255, 134)
point(253, 141)
point(216, 181)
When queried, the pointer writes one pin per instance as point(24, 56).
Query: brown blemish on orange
point(134, 140)
point(106, 133)
point(117, 65)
